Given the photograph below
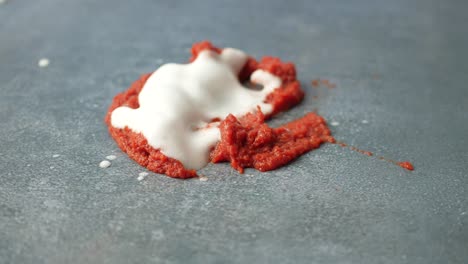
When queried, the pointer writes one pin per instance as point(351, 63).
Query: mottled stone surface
point(400, 65)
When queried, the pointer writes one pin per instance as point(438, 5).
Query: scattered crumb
point(28, 165)
point(315, 83)
point(328, 84)
point(203, 178)
point(334, 123)
point(104, 164)
point(463, 213)
point(55, 155)
point(51, 167)
point(111, 157)
point(43, 62)
point(364, 121)
point(142, 176)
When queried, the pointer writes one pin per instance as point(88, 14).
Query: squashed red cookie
point(180, 117)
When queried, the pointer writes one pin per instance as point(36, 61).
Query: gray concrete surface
point(400, 65)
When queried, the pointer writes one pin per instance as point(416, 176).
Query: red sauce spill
point(249, 142)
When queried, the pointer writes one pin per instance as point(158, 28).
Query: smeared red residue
point(365, 152)
point(404, 164)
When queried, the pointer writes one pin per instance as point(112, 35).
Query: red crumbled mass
point(250, 142)
point(245, 142)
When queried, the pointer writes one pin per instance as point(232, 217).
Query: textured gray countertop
point(401, 66)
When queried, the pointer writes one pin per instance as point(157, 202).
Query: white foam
point(178, 102)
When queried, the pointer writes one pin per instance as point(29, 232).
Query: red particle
point(315, 83)
point(406, 165)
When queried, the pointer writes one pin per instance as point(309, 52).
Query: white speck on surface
point(364, 121)
point(142, 176)
point(203, 178)
point(28, 165)
point(55, 155)
point(463, 213)
point(44, 62)
point(111, 157)
point(334, 123)
point(157, 234)
point(51, 167)
point(104, 164)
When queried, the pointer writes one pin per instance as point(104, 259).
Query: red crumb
point(315, 83)
point(249, 142)
point(270, 147)
point(406, 165)
point(201, 46)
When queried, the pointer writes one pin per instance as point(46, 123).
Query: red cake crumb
point(250, 142)
point(406, 165)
